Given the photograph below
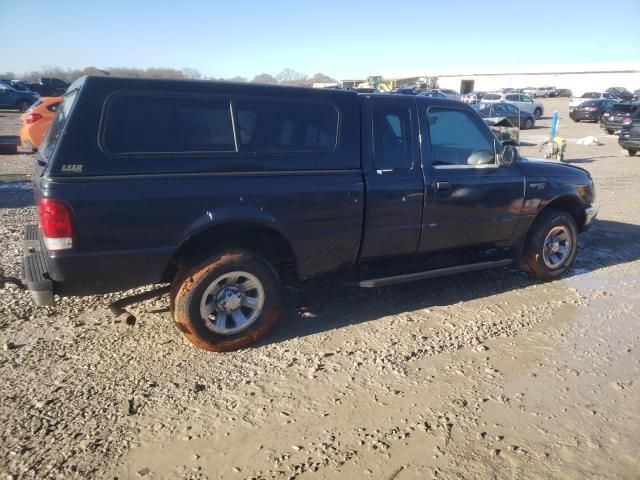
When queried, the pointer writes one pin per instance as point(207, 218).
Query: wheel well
point(263, 241)
point(572, 207)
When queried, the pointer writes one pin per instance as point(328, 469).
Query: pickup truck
point(215, 187)
point(48, 87)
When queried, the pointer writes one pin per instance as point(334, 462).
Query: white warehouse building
point(579, 78)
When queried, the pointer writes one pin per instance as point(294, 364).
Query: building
point(579, 78)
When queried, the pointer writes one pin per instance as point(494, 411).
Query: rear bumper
point(76, 274)
point(627, 142)
point(35, 275)
point(579, 115)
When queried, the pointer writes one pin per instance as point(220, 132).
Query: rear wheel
point(610, 131)
point(23, 105)
point(551, 245)
point(226, 302)
point(631, 152)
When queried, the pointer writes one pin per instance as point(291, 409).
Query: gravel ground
point(482, 375)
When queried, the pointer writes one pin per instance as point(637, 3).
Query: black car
point(629, 136)
point(518, 117)
point(613, 119)
point(217, 187)
point(591, 110)
point(620, 92)
point(406, 91)
point(561, 92)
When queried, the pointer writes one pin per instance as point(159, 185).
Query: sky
point(343, 39)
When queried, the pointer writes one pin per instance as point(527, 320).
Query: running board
point(438, 272)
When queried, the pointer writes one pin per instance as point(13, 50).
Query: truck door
point(471, 200)
point(393, 176)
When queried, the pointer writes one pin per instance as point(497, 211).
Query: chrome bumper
point(591, 212)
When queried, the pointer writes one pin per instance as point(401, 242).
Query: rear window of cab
point(148, 124)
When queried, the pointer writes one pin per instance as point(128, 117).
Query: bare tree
point(291, 77)
point(192, 73)
point(237, 78)
point(264, 78)
point(322, 78)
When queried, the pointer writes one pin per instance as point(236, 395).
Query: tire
point(23, 105)
point(545, 264)
point(537, 113)
point(202, 288)
point(528, 123)
point(631, 152)
point(610, 131)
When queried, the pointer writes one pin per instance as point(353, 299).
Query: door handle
point(443, 186)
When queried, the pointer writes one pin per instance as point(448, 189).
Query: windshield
point(57, 125)
point(491, 96)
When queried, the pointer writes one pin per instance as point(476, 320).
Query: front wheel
point(551, 245)
point(226, 302)
point(610, 131)
point(528, 123)
point(631, 152)
point(537, 113)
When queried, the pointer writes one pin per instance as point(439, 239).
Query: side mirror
point(508, 156)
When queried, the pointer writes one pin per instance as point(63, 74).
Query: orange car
point(36, 121)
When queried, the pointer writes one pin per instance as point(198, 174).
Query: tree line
point(287, 76)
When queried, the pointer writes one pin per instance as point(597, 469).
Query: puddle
point(16, 185)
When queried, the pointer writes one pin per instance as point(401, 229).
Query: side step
point(438, 272)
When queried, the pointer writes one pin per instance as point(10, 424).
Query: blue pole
point(554, 125)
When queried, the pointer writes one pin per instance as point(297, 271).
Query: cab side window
point(457, 140)
point(392, 148)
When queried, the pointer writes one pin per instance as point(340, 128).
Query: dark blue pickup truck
point(213, 187)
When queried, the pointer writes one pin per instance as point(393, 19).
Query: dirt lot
point(483, 375)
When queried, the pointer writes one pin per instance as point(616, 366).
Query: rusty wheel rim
point(232, 302)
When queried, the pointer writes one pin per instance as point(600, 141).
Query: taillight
point(33, 118)
point(55, 223)
point(606, 114)
point(627, 121)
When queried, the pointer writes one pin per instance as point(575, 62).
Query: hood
point(539, 166)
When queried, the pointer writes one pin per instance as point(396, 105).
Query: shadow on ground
point(15, 191)
point(324, 304)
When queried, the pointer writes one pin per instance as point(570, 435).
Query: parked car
point(561, 92)
point(448, 93)
point(636, 94)
point(620, 92)
point(16, 99)
point(539, 91)
point(432, 94)
point(36, 121)
point(591, 110)
point(49, 87)
point(213, 187)
point(16, 84)
point(505, 130)
point(473, 97)
point(406, 91)
point(575, 101)
point(629, 136)
point(613, 119)
point(523, 102)
point(524, 120)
